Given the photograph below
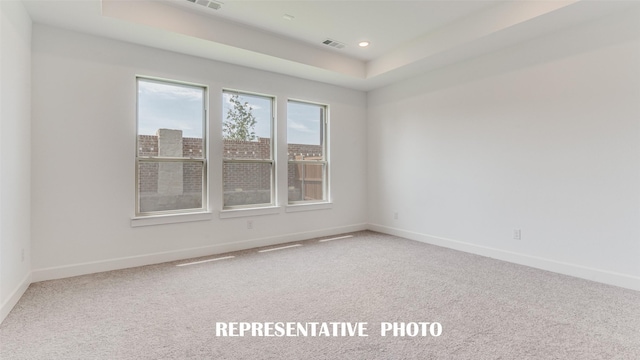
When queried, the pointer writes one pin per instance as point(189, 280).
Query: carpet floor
point(488, 309)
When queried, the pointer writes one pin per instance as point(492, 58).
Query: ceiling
point(407, 37)
point(386, 24)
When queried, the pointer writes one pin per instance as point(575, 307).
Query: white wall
point(542, 137)
point(84, 107)
point(15, 153)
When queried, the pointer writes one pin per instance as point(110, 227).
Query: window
point(306, 149)
point(248, 166)
point(171, 148)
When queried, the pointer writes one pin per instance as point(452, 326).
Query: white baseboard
point(602, 276)
point(60, 272)
point(8, 304)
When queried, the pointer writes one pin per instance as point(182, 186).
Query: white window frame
point(230, 160)
point(159, 159)
point(324, 161)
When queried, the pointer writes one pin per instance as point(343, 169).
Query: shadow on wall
point(609, 31)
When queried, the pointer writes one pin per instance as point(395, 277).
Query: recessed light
point(363, 43)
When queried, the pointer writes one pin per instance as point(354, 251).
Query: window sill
point(236, 213)
point(170, 219)
point(308, 207)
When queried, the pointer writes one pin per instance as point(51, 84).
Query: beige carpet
point(488, 309)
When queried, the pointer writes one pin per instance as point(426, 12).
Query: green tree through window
point(240, 124)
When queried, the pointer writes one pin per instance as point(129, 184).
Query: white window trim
point(162, 217)
point(265, 208)
point(248, 212)
point(151, 220)
point(306, 205)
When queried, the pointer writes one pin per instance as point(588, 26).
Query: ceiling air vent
point(334, 44)
point(206, 3)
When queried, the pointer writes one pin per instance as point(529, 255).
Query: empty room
point(318, 179)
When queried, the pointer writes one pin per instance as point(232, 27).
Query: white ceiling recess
point(407, 37)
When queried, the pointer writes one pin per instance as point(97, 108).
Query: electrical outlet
point(249, 224)
point(517, 234)
point(395, 215)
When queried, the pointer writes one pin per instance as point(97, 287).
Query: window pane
point(171, 122)
point(247, 183)
point(246, 126)
point(306, 142)
point(170, 119)
point(306, 182)
point(164, 186)
point(305, 135)
point(256, 150)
